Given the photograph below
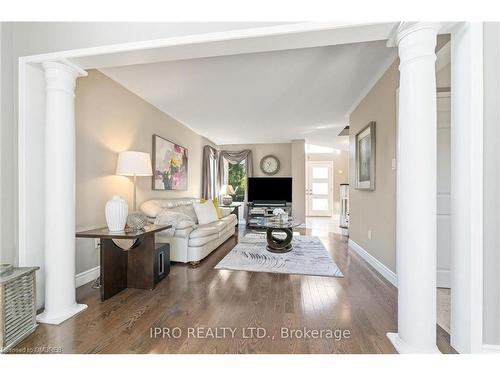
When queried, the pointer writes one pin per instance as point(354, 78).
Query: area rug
point(308, 257)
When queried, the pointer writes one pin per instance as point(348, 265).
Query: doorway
point(319, 188)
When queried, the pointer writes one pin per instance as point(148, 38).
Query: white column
point(60, 302)
point(416, 191)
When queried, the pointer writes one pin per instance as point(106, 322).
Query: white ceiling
point(262, 97)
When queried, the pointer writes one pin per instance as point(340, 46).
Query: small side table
point(236, 209)
point(127, 258)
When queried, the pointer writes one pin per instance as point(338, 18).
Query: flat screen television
point(269, 189)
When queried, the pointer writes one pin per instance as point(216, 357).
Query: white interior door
point(319, 189)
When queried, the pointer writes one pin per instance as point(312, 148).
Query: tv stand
point(257, 209)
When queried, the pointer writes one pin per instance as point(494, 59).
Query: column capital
point(416, 41)
point(65, 65)
point(406, 28)
point(62, 75)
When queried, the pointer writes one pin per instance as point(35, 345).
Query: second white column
point(416, 191)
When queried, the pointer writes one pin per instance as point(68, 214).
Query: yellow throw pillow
point(215, 201)
point(217, 208)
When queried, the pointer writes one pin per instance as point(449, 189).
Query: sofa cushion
point(205, 212)
point(208, 229)
point(186, 210)
point(177, 220)
point(200, 241)
point(151, 208)
point(171, 203)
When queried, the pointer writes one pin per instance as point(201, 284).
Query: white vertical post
point(467, 187)
point(416, 191)
point(60, 302)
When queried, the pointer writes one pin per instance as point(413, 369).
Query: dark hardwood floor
point(202, 298)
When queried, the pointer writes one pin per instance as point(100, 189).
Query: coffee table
point(273, 225)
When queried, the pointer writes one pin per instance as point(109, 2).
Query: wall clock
point(269, 165)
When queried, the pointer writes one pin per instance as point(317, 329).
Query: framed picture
point(365, 157)
point(170, 165)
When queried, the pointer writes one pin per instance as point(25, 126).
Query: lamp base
point(227, 200)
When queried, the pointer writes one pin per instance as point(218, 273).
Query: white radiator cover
point(18, 306)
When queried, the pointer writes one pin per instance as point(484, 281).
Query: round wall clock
point(269, 165)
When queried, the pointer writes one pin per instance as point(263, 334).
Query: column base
point(56, 320)
point(403, 348)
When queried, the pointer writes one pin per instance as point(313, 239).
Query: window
point(236, 177)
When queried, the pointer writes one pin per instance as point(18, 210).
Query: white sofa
point(192, 243)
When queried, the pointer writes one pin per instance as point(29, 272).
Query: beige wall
point(282, 151)
point(340, 173)
point(443, 77)
point(110, 119)
point(376, 210)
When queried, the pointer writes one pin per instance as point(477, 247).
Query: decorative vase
point(137, 220)
point(116, 214)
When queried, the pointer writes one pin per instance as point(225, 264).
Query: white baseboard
point(87, 276)
point(443, 278)
point(493, 349)
point(375, 263)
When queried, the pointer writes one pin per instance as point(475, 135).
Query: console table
point(127, 258)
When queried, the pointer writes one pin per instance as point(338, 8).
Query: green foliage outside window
point(237, 179)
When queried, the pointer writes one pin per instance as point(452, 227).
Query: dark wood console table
point(127, 258)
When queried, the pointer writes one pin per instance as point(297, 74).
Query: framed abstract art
point(170, 165)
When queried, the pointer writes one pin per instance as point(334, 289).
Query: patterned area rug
point(308, 257)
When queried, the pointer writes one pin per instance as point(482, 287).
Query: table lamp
point(134, 164)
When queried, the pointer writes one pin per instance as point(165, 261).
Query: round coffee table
point(279, 244)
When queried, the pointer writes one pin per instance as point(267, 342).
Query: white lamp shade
point(132, 163)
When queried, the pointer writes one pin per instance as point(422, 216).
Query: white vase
point(116, 213)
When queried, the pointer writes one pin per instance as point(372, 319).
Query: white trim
point(87, 276)
point(443, 278)
point(376, 77)
point(375, 263)
point(467, 187)
point(21, 165)
point(350, 32)
point(46, 319)
point(403, 348)
point(491, 349)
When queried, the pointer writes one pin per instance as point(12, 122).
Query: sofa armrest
point(183, 233)
point(225, 211)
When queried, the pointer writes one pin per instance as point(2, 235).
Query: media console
point(257, 209)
